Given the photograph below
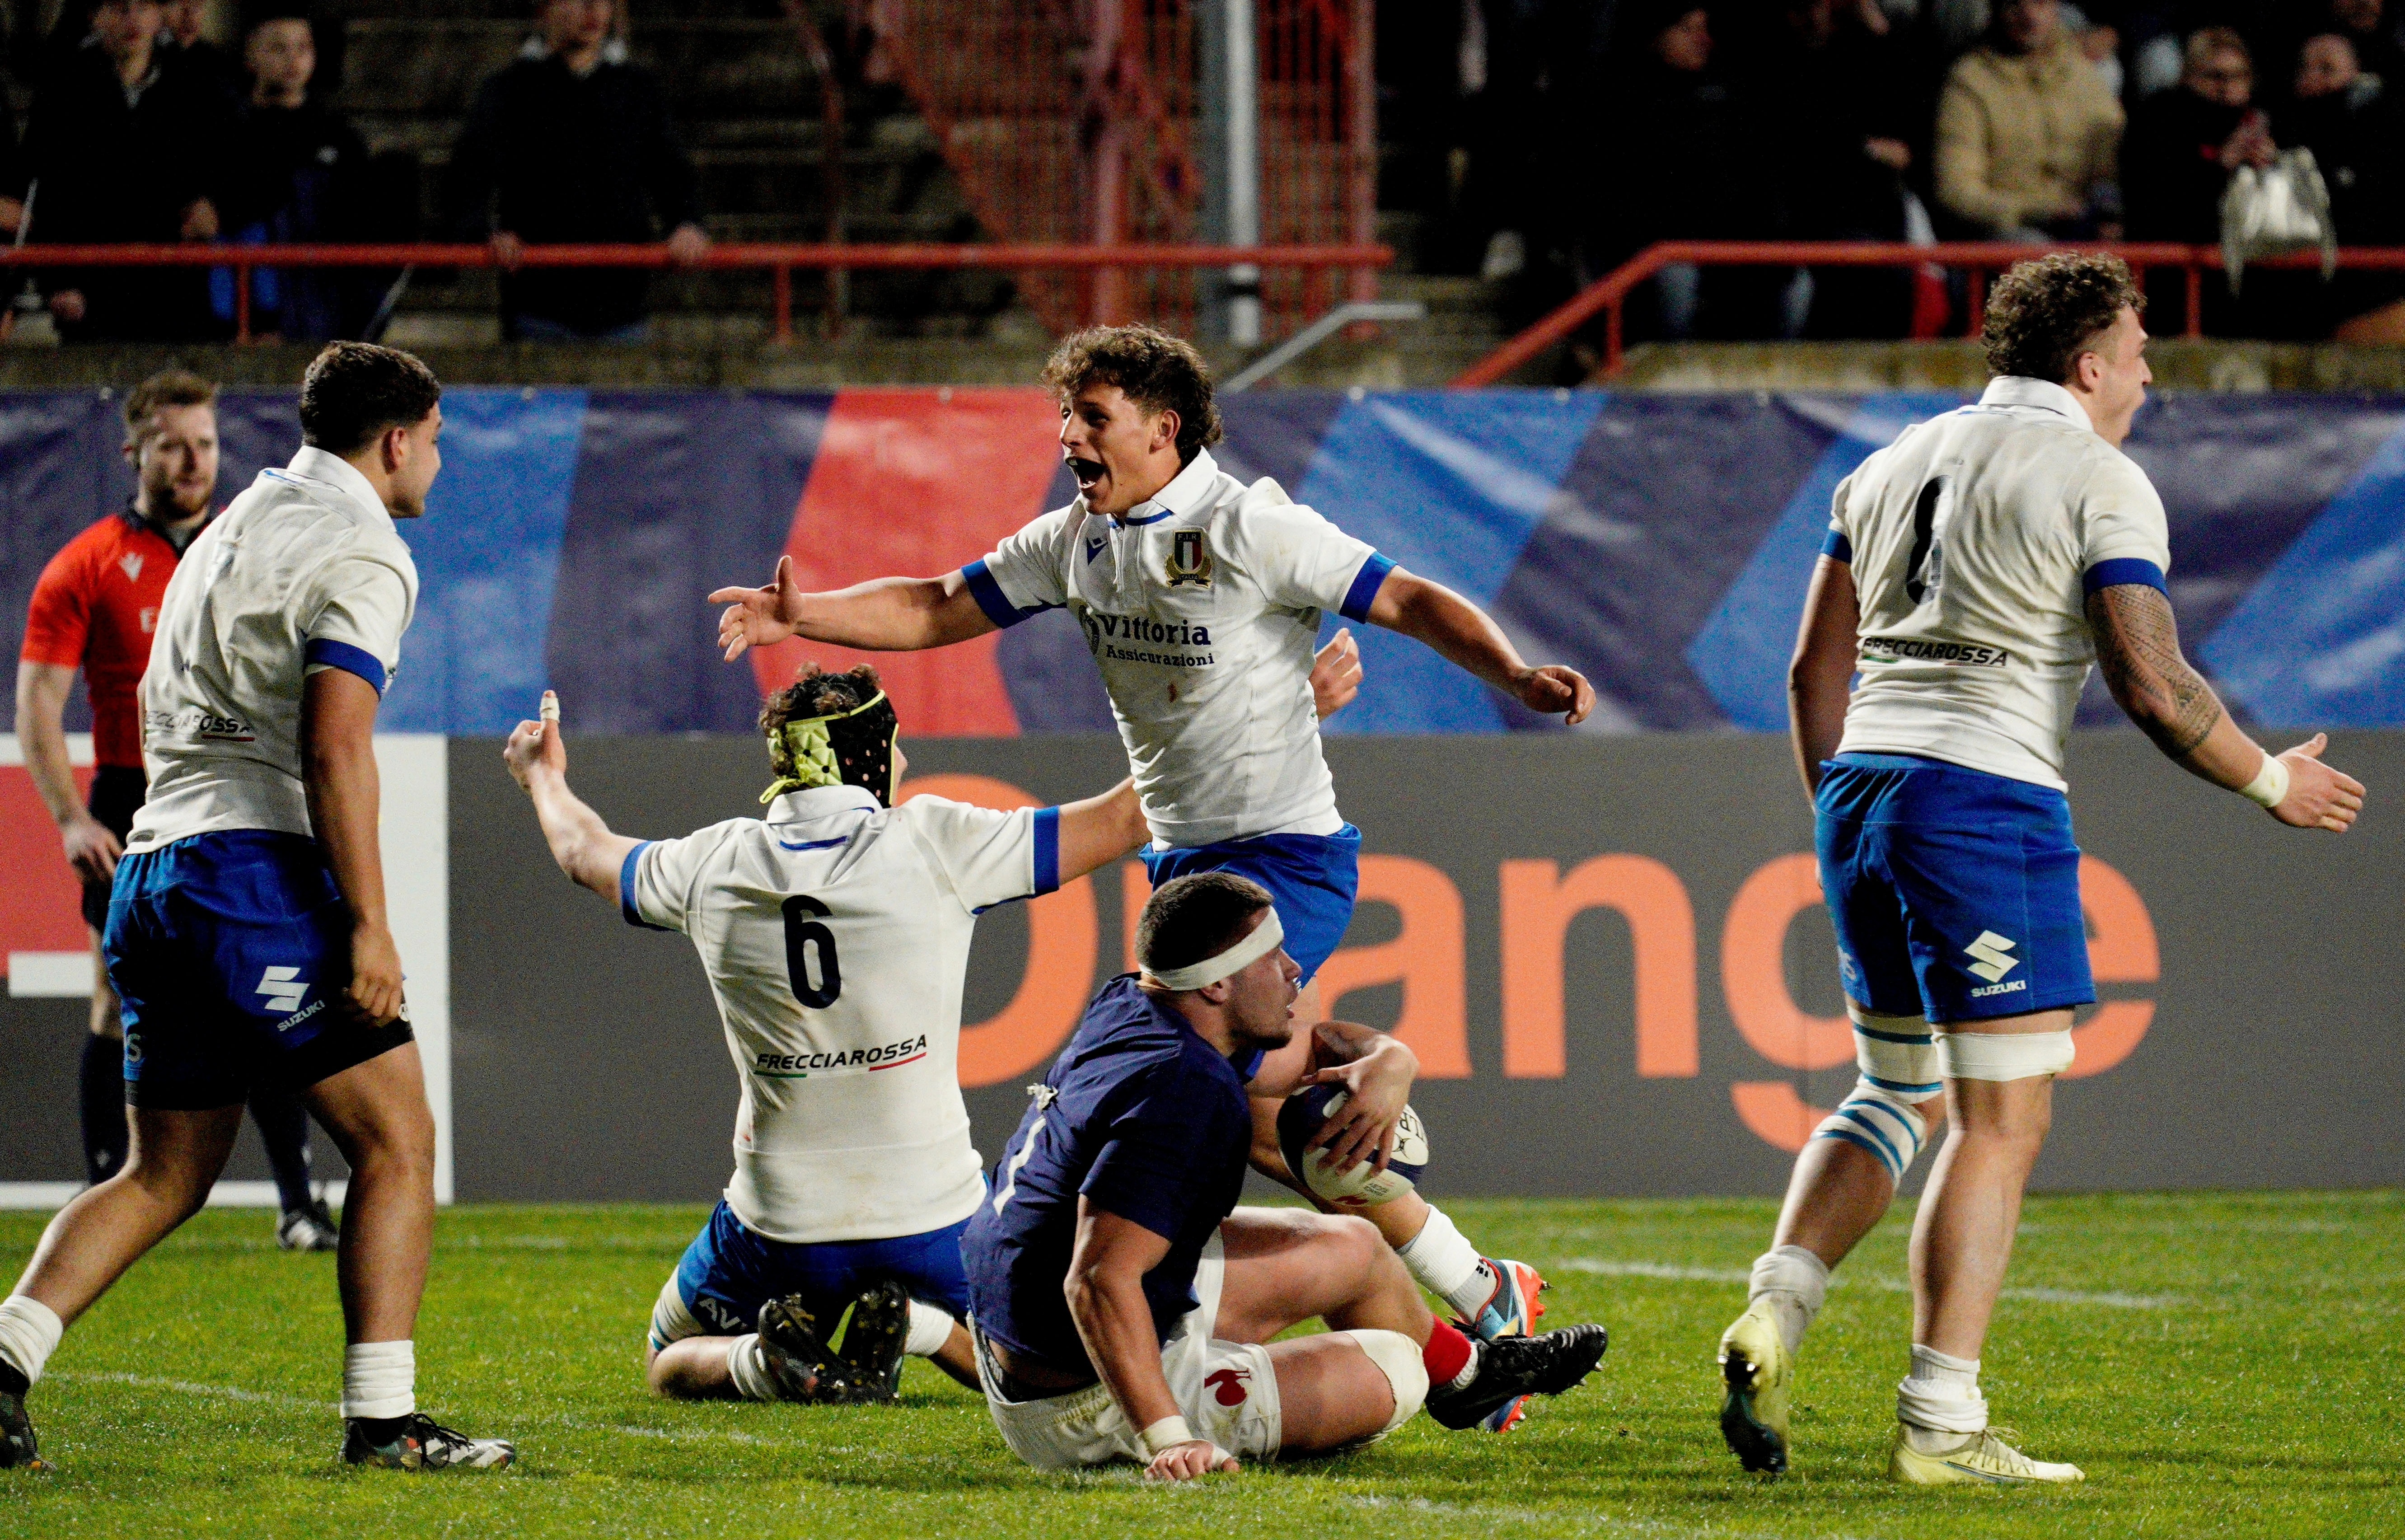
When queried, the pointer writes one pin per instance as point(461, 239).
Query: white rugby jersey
point(836, 934)
point(303, 572)
point(1975, 538)
point(1201, 608)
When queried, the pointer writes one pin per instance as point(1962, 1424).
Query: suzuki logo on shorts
point(283, 987)
point(1994, 954)
point(1227, 1385)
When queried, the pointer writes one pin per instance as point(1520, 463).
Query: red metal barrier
point(1609, 295)
point(779, 260)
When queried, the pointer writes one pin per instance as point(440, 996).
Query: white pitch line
point(2108, 1299)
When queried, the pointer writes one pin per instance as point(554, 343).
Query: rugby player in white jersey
point(1200, 598)
point(835, 932)
point(1974, 571)
point(246, 938)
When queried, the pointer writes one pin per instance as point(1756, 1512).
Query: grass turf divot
point(2187, 1349)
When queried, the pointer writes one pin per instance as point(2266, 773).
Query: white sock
point(1448, 1266)
point(29, 1335)
point(1470, 1370)
point(1940, 1402)
point(1792, 1281)
point(930, 1329)
point(380, 1379)
point(751, 1375)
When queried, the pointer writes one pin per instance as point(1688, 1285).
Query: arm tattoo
point(2137, 645)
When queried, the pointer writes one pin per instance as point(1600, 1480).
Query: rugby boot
point(1511, 1310)
point(1981, 1459)
point(422, 1444)
point(804, 1367)
point(872, 1342)
point(17, 1435)
point(1512, 1368)
point(1754, 1374)
point(310, 1229)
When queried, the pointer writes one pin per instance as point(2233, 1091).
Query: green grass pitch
point(2221, 1366)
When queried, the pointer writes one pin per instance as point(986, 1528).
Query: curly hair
point(1160, 374)
point(356, 391)
point(814, 692)
point(2043, 313)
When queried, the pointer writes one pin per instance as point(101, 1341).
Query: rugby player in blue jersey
point(1200, 598)
point(1123, 1308)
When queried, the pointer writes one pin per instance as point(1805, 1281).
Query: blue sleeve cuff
point(627, 887)
point(1838, 547)
point(2122, 571)
point(990, 597)
point(1365, 584)
point(350, 660)
point(1047, 849)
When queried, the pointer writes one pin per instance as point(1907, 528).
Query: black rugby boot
point(421, 1444)
point(1510, 1366)
point(804, 1369)
point(17, 1434)
point(872, 1343)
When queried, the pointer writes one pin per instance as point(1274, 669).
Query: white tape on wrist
point(1167, 1433)
point(1265, 938)
point(2269, 788)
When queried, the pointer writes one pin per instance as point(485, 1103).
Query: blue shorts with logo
point(1955, 893)
point(230, 953)
point(1313, 878)
point(728, 1273)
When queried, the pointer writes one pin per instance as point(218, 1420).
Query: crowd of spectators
point(1565, 135)
point(142, 129)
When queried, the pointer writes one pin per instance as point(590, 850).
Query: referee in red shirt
point(95, 608)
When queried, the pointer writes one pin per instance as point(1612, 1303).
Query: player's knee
point(1901, 1069)
point(1397, 1358)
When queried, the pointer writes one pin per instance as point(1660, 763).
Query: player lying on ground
point(96, 607)
point(1974, 569)
point(1123, 1305)
point(836, 934)
point(1200, 598)
point(246, 936)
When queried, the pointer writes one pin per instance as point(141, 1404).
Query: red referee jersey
point(95, 607)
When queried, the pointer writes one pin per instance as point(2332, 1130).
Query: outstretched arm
point(885, 615)
point(2137, 646)
point(1820, 676)
point(580, 842)
point(1464, 634)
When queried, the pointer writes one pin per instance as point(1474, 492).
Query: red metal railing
point(1607, 296)
point(779, 260)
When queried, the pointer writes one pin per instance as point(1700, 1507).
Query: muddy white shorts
point(1226, 1391)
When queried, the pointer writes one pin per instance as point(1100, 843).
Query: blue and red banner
point(1658, 543)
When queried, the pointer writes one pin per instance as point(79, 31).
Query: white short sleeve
point(1024, 575)
point(361, 607)
point(986, 857)
point(1303, 562)
point(2120, 519)
point(657, 880)
point(1839, 542)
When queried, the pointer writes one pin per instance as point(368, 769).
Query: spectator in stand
point(211, 68)
point(2377, 34)
point(120, 147)
point(2027, 133)
point(1673, 155)
point(572, 143)
point(299, 174)
point(2183, 144)
point(1836, 133)
point(2352, 122)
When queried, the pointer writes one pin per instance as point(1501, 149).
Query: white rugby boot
point(1980, 1459)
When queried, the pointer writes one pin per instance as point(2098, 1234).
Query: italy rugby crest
point(1189, 559)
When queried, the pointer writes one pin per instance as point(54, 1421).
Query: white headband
point(1265, 938)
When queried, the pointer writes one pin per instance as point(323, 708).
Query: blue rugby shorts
point(1955, 893)
point(1313, 878)
point(230, 953)
point(730, 1272)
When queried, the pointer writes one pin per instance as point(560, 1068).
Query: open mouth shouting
point(1090, 474)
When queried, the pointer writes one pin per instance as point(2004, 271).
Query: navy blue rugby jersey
point(1147, 1121)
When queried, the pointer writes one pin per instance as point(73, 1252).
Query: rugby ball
point(1364, 1186)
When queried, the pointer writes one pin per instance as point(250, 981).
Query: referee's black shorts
point(116, 797)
